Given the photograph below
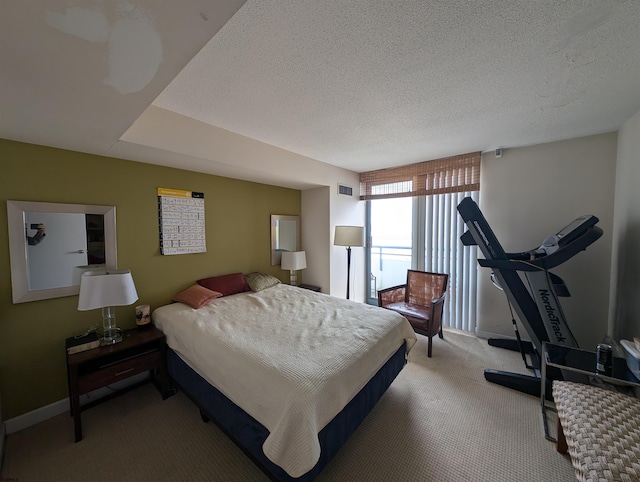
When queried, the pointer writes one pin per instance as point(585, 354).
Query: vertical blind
point(444, 253)
point(450, 174)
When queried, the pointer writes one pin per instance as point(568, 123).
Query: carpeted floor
point(439, 421)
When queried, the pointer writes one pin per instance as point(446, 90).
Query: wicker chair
point(420, 301)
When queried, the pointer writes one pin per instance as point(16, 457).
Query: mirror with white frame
point(285, 236)
point(52, 244)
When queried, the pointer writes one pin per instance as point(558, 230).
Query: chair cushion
point(410, 310)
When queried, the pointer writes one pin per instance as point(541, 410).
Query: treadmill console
point(566, 235)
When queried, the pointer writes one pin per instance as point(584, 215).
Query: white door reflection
point(51, 263)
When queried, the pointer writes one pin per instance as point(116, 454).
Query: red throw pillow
point(196, 296)
point(227, 284)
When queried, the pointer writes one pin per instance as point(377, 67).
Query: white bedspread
point(291, 358)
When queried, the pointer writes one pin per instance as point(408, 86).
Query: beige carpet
point(439, 421)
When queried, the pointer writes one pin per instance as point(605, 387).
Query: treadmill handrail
point(515, 261)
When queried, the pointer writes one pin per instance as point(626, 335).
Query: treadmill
point(536, 303)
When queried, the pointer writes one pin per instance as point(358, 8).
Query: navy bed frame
point(250, 435)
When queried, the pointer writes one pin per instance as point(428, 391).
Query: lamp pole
point(348, 268)
point(349, 236)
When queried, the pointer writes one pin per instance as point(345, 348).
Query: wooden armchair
point(420, 300)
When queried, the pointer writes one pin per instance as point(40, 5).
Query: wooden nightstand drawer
point(114, 372)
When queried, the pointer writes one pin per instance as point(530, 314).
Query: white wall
point(351, 212)
point(625, 266)
point(159, 134)
point(533, 192)
point(316, 237)
point(322, 209)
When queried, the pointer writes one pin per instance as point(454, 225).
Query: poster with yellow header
point(181, 221)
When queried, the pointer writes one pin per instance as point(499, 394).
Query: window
point(420, 228)
point(390, 251)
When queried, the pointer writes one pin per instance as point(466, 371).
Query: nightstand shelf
point(141, 350)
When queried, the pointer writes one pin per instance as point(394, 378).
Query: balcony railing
point(389, 265)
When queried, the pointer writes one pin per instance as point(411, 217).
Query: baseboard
point(488, 334)
point(61, 406)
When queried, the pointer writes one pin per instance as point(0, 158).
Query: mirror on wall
point(52, 244)
point(285, 236)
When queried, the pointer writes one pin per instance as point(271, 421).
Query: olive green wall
point(32, 355)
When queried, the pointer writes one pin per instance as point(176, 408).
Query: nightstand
point(310, 287)
point(140, 350)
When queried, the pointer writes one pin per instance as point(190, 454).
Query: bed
point(287, 373)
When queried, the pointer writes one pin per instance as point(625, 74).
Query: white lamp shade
point(294, 260)
point(349, 236)
point(101, 288)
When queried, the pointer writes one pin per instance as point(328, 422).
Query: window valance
point(447, 175)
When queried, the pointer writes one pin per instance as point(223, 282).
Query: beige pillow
point(195, 296)
point(260, 281)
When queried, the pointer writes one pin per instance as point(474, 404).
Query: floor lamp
point(349, 236)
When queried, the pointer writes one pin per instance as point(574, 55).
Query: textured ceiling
point(366, 85)
point(360, 84)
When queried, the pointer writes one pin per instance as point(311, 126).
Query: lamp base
point(110, 332)
point(111, 336)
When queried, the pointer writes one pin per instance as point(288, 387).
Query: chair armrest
point(394, 294)
point(439, 300)
point(437, 308)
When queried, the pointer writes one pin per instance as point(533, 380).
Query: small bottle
point(604, 359)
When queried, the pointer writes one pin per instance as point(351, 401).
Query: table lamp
point(293, 261)
point(106, 289)
point(349, 236)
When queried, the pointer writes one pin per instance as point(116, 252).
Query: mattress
point(290, 358)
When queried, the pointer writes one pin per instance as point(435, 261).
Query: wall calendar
point(181, 221)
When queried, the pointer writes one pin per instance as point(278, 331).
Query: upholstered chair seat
point(420, 301)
